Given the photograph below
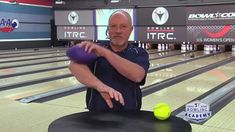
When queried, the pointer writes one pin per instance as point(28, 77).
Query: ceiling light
point(115, 1)
point(59, 2)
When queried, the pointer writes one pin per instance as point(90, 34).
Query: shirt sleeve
point(142, 59)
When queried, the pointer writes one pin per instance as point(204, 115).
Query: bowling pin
point(214, 47)
point(139, 44)
point(206, 48)
point(194, 46)
point(190, 47)
point(233, 47)
point(183, 48)
point(163, 46)
point(210, 47)
point(146, 45)
point(159, 46)
point(233, 50)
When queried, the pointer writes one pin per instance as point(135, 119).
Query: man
point(114, 78)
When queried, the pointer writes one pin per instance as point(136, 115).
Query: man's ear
point(107, 32)
point(132, 28)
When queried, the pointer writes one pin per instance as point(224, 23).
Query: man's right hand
point(109, 93)
point(93, 47)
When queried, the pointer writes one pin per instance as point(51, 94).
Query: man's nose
point(118, 29)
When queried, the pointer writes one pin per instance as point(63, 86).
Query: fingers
point(109, 93)
point(109, 103)
point(88, 46)
point(107, 99)
point(117, 96)
point(93, 47)
point(121, 100)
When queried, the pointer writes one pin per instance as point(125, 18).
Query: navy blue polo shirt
point(130, 90)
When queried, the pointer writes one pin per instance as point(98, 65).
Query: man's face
point(120, 28)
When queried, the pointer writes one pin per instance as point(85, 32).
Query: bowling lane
point(157, 62)
point(24, 51)
point(224, 118)
point(150, 51)
point(26, 77)
point(157, 51)
point(31, 61)
point(20, 51)
point(204, 128)
point(35, 76)
point(32, 53)
point(163, 53)
point(32, 117)
point(32, 57)
point(185, 91)
point(153, 78)
point(182, 93)
point(167, 73)
point(25, 91)
point(32, 67)
point(73, 100)
point(176, 58)
point(32, 93)
point(29, 90)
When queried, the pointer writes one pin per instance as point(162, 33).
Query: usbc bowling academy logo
point(73, 17)
point(197, 112)
point(8, 25)
point(160, 15)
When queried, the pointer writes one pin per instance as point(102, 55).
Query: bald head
point(120, 28)
point(121, 12)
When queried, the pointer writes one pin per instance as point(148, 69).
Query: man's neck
point(117, 48)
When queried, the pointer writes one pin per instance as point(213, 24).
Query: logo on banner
point(73, 17)
point(160, 15)
point(160, 33)
point(220, 33)
point(197, 111)
point(8, 25)
point(212, 16)
point(75, 33)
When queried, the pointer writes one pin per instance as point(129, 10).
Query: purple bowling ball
point(79, 55)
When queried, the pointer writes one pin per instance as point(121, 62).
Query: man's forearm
point(84, 75)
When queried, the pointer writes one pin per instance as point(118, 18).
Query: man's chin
point(117, 43)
